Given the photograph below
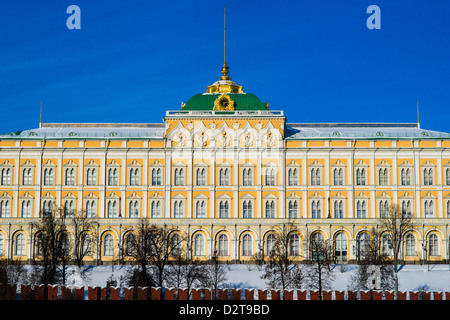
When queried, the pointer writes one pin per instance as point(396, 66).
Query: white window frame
point(6, 173)
point(156, 177)
point(248, 174)
point(383, 174)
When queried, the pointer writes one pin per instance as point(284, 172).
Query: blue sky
point(316, 60)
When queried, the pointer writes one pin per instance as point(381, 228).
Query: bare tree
point(51, 247)
point(164, 244)
point(215, 276)
point(318, 274)
point(372, 255)
point(281, 271)
point(83, 228)
point(185, 273)
point(138, 247)
point(394, 224)
point(153, 246)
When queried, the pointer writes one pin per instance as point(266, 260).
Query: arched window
point(447, 176)
point(156, 209)
point(270, 176)
point(293, 176)
point(315, 176)
point(70, 177)
point(48, 176)
point(176, 245)
point(383, 176)
point(386, 245)
point(384, 209)
point(410, 245)
point(428, 208)
point(224, 177)
point(91, 176)
point(86, 243)
point(247, 245)
point(293, 209)
point(405, 177)
point(200, 209)
point(315, 209)
point(433, 245)
point(363, 246)
point(156, 176)
point(5, 208)
point(338, 178)
point(2, 245)
point(178, 209)
point(270, 244)
point(360, 177)
point(27, 176)
point(26, 208)
point(448, 208)
point(69, 208)
point(20, 245)
point(428, 176)
point(316, 246)
point(47, 207)
point(6, 176)
point(340, 247)
point(130, 244)
point(108, 245)
point(338, 209)
point(406, 208)
point(112, 209)
point(294, 245)
point(223, 246)
point(270, 209)
point(361, 209)
point(91, 209)
point(134, 209)
point(201, 176)
point(247, 208)
point(199, 245)
point(179, 176)
point(64, 241)
point(223, 209)
point(247, 177)
point(134, 177)
point(113, 176)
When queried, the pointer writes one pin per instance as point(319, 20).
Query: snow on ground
point(411, 277)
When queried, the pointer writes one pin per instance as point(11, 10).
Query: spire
point(225, 84)
point(225, 67)
point(224, 33)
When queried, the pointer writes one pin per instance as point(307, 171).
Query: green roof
point(243, 101)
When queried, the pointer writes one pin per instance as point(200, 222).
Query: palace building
point(225, 172)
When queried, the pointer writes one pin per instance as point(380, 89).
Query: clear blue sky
point(134, 59)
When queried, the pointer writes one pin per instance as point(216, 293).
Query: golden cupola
point(224, 84)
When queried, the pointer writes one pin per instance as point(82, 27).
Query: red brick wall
point(97, 293)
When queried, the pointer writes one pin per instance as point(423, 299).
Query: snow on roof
point(91, 130)
point(293, 131)
point(359, 130)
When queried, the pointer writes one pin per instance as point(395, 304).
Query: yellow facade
point(227, 181)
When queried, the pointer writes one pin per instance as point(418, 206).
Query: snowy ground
point(411, 277)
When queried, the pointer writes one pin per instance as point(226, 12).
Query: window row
point(247, 208)
point(249, 245)
point(224, 178)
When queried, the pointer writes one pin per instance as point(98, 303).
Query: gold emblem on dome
point(224, 103)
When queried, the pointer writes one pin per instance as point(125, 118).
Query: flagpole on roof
point(40, 116)
point(418, 122)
